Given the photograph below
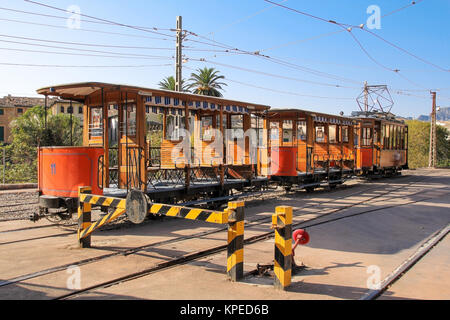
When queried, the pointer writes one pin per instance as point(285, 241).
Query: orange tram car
point(195, 150)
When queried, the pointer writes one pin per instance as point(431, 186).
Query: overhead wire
point(82, 20)
point(100, 19)
point(86, 54)
point(349, 29)
point(86, 30)
point(80, 66)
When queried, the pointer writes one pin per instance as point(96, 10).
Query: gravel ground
point(18, 205)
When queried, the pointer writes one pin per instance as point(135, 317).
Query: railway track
point(203, 253)
point(427, 246)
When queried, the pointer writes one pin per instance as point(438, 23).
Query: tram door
point(377, 144)
point(130, 154)
point(113, 138)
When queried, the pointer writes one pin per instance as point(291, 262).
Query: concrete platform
point(407, 211)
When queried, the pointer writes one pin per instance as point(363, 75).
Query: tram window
point(345, 134)
point(366, 136)
point(320, 134)
point(258, 126)
point(391, 137)
point(175, 125)
point(356, 137)
point(383, 136)
point(129, 120)
point(387, 139)
point(207, 128)
point(274, 130)
point(96, 122)
point(394, 138)
point(288, 131)
point(301, 130)
point(154, 127)
point(332, 132)
point(403, 139)
point(237, 126)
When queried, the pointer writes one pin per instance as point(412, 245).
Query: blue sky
point(250, 25)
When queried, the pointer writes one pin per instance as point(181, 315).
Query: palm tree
point(168, 83)
point(206, 82)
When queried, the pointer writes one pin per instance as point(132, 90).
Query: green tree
point(419, 145)
point(207, 82)
point(168, 83)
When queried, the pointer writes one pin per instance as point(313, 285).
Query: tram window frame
point(391, 143)
point(396, 137)
point(176, 134)
point(356, 134)
point(366, 136)
point(206, 132)
point(287, 131)
point(403, 138)
point(275, 129)
point(95, 131)
point(346, 136)
point(322, 138)
point(127, 111)
point(387, 145)
point(257, 124)
point(335, 135)
point(302, 128)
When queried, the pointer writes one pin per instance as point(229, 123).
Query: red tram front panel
point(61, 170)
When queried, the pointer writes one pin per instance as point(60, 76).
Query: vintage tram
point(381, 143)
point(172, 146)
point(310, 149)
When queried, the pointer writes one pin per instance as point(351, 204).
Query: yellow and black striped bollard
point(282, 223)
point(84, 218)
point(235, 261)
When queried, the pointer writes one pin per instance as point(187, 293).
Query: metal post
point(179, 56)
point(4, 164)
point(433, 153)
point(235, 261)
point(84, 218)
point(126, 140)
point(71, 123)
point(282, 223)
point(45, 109)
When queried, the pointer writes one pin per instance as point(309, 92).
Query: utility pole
point(433, 152)
point(179, 56)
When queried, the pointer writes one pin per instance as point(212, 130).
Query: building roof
point(12, 102)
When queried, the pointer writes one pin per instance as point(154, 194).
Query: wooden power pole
point(433, 153)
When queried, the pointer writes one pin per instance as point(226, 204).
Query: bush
point(419, 145)
point(29, 132)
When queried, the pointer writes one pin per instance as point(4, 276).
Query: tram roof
point(309, 112)
point(80, 91)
